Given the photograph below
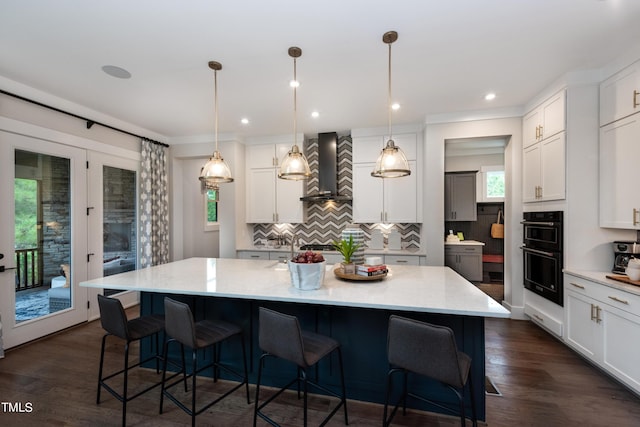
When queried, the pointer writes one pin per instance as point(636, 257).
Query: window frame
point(481, 186)
point(209, 225)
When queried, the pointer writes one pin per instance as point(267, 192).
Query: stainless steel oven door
point(543, 273)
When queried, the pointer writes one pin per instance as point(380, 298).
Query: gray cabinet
point(460, 197)
point(465, 259)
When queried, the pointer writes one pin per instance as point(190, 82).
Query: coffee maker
point(623, 251)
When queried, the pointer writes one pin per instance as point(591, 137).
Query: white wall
point(472, 163)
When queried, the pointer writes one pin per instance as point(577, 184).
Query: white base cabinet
point(603, 324)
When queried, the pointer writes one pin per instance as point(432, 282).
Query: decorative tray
point(340, 274)
point(623, 278)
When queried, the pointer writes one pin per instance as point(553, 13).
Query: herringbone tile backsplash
point(326, 220)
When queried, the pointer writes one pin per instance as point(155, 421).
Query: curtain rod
point(90, 122)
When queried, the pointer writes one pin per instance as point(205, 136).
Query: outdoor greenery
point(495, 184)
point(26, 208)
point(212, 206)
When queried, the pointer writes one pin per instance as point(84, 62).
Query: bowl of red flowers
point(307, 270)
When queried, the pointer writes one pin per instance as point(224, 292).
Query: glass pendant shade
point(392, 163)
point(294, 166)
point(215, 171)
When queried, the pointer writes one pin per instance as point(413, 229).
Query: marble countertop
point(406, 288)
point(367, 251)
point(600, 277)
point(466, 242)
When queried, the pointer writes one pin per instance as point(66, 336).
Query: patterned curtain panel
point(154, 206)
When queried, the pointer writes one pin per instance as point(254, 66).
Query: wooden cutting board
point(623, 278)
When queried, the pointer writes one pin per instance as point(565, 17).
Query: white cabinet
point(465, 259)
point(543, 156)
point(460, 197)
point(401, 260)
point(543, 170)
point(603, 324)
point(619, 156)
point(620, 95)
point(253, 255)
point(270, 199)
point(544, 121)
point(384, 200)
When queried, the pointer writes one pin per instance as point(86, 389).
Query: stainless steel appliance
point(542, 252)
point(623, 251)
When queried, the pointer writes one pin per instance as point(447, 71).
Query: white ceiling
point(449, 54)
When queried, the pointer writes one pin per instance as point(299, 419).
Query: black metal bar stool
point(280, 336)
point(181, 328)
point(430, 351)
point(114, 322)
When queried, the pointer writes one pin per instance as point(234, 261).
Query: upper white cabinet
point(620, 95)
point(460, 197)
point(545, 120)
point(543, 157)
point(270, 199)
point(619, 154)
point(384, 200)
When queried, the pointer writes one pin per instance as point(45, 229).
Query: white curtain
point(154, 206)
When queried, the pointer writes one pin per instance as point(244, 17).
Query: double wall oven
point(542, 251)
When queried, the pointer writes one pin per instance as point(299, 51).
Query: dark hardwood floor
point(542, 383)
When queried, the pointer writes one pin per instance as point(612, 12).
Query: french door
point(113, 226)
point(43, 237)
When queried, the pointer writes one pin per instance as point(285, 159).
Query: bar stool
point(181, 328)
point(114, 322)
point(280, 336)
point(430, 351)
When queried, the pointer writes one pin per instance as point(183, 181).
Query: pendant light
point(392, 163)
point(215, 171)
point(294, 166)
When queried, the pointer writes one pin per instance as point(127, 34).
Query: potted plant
point(347, 249)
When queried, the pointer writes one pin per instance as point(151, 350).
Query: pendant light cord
point(389, 94)
point(215, 103)
point(295, 102)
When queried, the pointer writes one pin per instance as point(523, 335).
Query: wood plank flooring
point(542, 382)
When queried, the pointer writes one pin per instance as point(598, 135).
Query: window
point(490, 184)
point(211, 210)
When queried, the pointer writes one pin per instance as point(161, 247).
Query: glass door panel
point(118, 222)
point(42, 209)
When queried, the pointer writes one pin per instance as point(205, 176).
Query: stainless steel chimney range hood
point(327, 171)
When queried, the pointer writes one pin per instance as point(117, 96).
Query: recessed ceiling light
point(294, 83)
point(490, 96)
point(244, 121)
point(315, 114)
point(117, 72)
point(395, 106)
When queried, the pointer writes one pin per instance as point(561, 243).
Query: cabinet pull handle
point(537, 132)
point(255, 256)
point(577, 286)
point(635, 216)
point(598, 310)
point(635, 98)
point(593, 307)
point(401, 261)
point(619, 300)
point(541, 132)
point(540, 319)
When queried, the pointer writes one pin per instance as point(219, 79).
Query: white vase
point(358, 238)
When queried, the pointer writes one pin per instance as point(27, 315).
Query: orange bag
point(497, 229)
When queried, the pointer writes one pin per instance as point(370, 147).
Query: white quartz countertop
point(367, 251)
point(406, 288)
point(465, 242)
point(601, 278)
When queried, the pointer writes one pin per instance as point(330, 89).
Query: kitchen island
point(354, 313)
